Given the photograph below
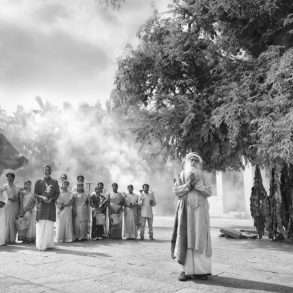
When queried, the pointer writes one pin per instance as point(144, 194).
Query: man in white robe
point(191, 240)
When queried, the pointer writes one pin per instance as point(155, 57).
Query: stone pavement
point(145, 266)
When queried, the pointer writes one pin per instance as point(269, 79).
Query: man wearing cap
point(10, 192)
point(47, 192)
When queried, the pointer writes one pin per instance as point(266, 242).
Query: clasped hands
point(44, 198)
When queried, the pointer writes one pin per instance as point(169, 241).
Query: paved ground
point(135, 266)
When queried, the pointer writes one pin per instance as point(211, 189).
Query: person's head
point(100, 186)
point(97, 190)
point(146, 188)
point(65, 185)
point(193, 161)
point(63, 177)
point(28, 185)
point(80, 179)
point(47, 171)
point(115, 187)
point(10, 177)
point(130, 188)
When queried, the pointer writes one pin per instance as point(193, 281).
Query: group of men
point(30, 215)
point(114, 215)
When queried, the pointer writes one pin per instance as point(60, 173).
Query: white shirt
point(146, 206)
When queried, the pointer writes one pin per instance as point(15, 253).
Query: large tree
point(215, 76)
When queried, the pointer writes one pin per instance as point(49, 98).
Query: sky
point(64, 50)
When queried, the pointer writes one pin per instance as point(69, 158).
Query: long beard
point(191, 173)
point(189, 169)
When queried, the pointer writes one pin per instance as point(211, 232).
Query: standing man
point(130, 213)
point(147, 201)
point(12, 208)
point(80, 207)
point(116, 209)
point(3, 202)
point(191, 239)
point(46, 192)
point(99, 203)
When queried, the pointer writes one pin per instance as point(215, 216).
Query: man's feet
point(203, 277)
point(183, 277)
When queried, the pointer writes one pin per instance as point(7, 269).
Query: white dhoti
point(44, 234)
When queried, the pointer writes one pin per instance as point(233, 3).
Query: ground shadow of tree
point(229, 282)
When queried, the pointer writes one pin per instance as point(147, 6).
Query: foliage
point(214, 77)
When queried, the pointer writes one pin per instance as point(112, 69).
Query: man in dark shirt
point(46, 192)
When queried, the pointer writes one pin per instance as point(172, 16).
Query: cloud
point(31, 58)
point(51, 12)
point(64, 49)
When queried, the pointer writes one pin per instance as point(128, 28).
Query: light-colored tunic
point(130, 215)
point(3, 198)
point(29, 208)
point(199, 251)
point(81, 215)
point(12, 210)
point(64, 230)
point(146, 205)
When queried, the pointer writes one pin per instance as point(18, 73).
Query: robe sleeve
point(203, 188)
point(181, 190)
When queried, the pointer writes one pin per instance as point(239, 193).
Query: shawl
point(179, 234)
point(179, 241)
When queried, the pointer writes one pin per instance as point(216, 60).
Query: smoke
point(86, 140)
point(96, 143)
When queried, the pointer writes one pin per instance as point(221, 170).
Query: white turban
point(194, 156)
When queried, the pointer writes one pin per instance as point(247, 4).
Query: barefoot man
point(46, 192)
point(191, 241)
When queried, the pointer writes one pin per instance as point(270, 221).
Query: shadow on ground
point(60, 249)
point(246, 284)
point(268, 244)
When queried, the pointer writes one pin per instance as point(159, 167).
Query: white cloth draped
point(44, 234)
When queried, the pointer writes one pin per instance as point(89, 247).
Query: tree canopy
point(213, 76)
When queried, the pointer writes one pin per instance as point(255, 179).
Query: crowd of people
point(29, 214)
